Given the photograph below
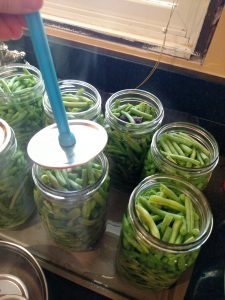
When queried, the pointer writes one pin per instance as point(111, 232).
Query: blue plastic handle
point(46, 65)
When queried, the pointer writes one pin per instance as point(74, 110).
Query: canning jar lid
point(45, 150)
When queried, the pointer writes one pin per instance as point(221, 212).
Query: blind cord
point(162, 46)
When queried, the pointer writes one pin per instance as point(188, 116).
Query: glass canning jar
point(154, 254)
point(16, 185)
point(129, 142)
point(198, 148)
point(72, 203)
point(21, 93)
point(81, 100)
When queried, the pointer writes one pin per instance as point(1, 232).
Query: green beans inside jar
point(21, 93)
point(166, 223)
point(72, 203)
point(131, 117)
point(81, 101)
point(16, 185)
point(185, 150)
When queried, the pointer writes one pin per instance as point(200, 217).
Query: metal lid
point(21, 277)
point(5, 135)
point(11, 287)
point(44, 148)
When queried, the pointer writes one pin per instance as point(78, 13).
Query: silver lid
point(44, 148)
point(12, 287)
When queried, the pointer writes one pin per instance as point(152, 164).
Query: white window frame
point(142, 21)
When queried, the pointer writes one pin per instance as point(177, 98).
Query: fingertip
point(32, 5)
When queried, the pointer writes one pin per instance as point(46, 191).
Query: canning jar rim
point(39, 86)
point(113, 120)
point(186, 126)
point(71, 196)
point(93, 111)
point(194, 193)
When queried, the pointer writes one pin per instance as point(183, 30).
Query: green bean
point(79, 223)
point(168, 203)
point(175, 230)
point(128, 116)
point(196, 143)
point(166, 222)
point(189, 215)
point(145, 217)
point(168, 192)
point(182, 158)
point(145, 116)
point(148, 265)
point(167, 234)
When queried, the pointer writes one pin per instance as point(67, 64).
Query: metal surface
point(94, 269)
point(44, 148)
point(12, 297)
point(21, 277)
point(12, 285)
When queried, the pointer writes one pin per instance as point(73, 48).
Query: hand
point(11, 17)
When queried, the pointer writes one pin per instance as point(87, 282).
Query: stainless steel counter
point(93, 269)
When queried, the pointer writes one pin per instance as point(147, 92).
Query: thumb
point(19, 6)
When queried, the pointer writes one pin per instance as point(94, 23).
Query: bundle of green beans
point(21, 105)
point(126, 149)
point(77, 221)
point(133, 113)
point(76, 103)
point(184, 151)
point(16, 191)
point(170, 217)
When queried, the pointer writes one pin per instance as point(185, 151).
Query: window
point(174, 25)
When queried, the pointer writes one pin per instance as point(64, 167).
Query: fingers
point(19, 6)
point(10, 27)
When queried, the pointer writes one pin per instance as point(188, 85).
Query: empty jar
point(21, 94)
point(131, 118)
point(72, 203)
point(183, 149)
point(16, 185)
point(81, 101)
point(166, 223)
